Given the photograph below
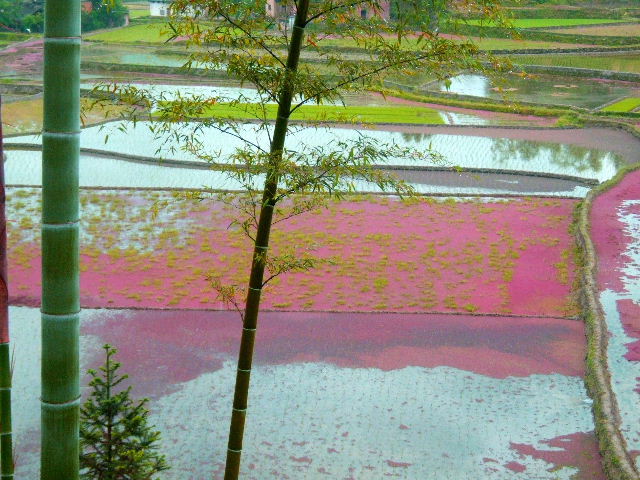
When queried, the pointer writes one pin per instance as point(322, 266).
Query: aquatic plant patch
point(625, 105)
point(379, 254)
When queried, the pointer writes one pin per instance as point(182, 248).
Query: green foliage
point(103, 14)
point(116, 442)
point(570, 120)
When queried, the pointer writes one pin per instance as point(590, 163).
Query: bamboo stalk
point(6, 434)
point(261, 245)
point(60, 397)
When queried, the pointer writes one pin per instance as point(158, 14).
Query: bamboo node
point(60, 406)
point(234, 451)
point(63, 40)
point(244, 370)
point(239, 409)
point(249, 329)
point(255, 289)
point(261, 247)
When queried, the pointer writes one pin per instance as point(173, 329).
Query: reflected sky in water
point(546, 89)
point(457, 150)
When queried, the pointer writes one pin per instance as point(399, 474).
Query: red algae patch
point(380, 254)
point(196, 342)
point(578, 450)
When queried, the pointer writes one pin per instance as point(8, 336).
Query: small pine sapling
point(115, 441)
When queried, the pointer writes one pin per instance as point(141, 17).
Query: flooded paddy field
point(475, 397)
point(617, 62)
point(625, 30)
point(543, 89)
point(465, 355)
point(415, 261)
point(615, 229)
point(586, 156)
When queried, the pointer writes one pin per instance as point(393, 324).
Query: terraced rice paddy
point(551, 22)
point(545, 89)
point(159, 33)
point(615, 229)
point(514, 256)
point(456, 150)
point(627, 30)
point(26, 115)
point(617, 62)
point(450, 268)
point(146, 33)
point(416, 381)
point(626, 105)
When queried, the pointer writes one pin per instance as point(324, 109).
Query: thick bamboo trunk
point(60, 397)
point(6, 435)
point(261, 245)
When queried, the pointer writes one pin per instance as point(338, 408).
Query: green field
point(334, 113)
point(625, 105)
point(149, 33)
point(615, 30)
point(483, 43)
point(138, 13)
point(617, 63)
point(550, 22)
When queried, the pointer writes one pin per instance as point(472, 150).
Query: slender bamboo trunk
point(261, 245)
point(6, 435)
point(60, 398)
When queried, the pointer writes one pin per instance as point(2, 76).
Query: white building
point(159, 8)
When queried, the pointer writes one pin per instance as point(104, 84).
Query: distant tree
point(424, 15)
point(104, 14)
point(116, 442)
point(10, 15)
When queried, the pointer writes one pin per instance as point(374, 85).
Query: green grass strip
point(331, 113)
point(158, 32)
point(625, 105)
